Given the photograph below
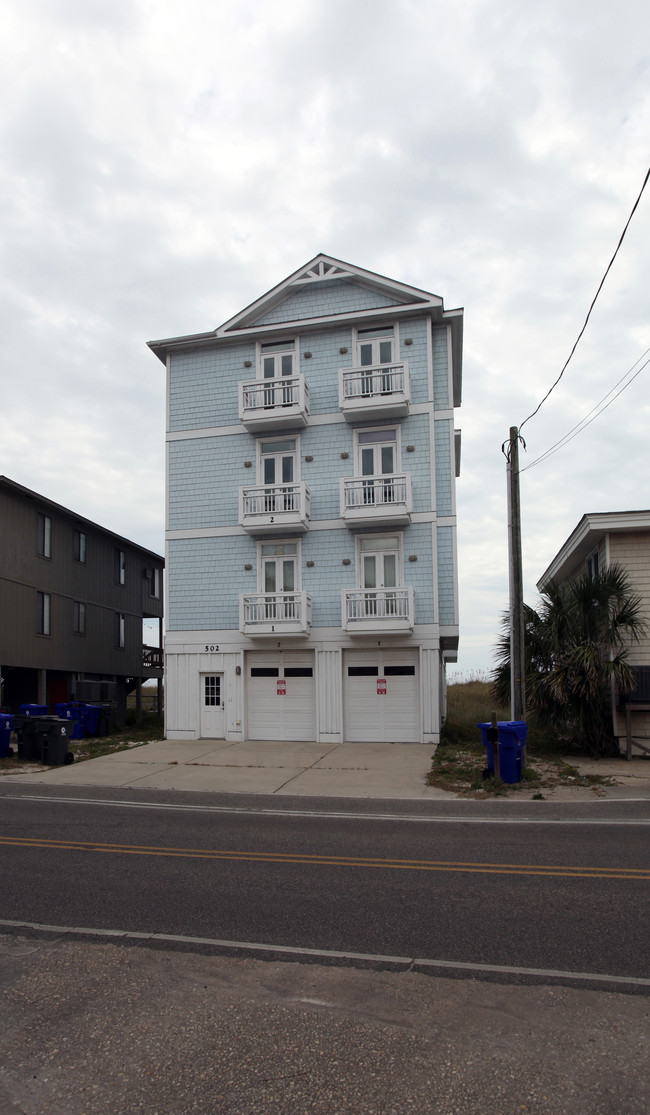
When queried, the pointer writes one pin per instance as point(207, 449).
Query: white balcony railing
point(274, 404)
point(383, 389)
point(376, 499)
point(379, 610)
point(268, 509)
point(275, 613)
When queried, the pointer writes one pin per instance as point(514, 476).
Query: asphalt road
point(485, 888)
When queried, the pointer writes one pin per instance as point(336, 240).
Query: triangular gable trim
point(321, 269)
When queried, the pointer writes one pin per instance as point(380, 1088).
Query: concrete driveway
point(359, 770)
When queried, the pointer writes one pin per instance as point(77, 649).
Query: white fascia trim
point(586, 536)
point(231, 641)
point(208, 431)
point(329, 419)
point(399, 309)
point(319, 524)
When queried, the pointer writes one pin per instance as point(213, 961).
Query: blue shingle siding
point(415, 432)
point(208, 574)
point(416, 355)
point(440, 369)
point(444, 477)
point(204, 475)
point(325, 444)
point(328, 577)
point(446, 575)
point(203, 387)
point(335, 296)
point(419, 574)
point(321, 370)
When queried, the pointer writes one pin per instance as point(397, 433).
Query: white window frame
point(279, 542)
point(120, 630)
point(359, 337)
point(378, 429)
point(399, 535)
point(80, 546)
point(43, 613)
point(44, 542)
point(260, 458)
point(78, 617)
point(291, 347)
point(589, 563)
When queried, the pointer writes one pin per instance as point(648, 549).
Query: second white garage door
point(281, 695)
point(381, 696)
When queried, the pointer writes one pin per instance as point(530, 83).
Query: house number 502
point(212, 646)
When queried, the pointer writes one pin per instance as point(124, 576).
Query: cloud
point(161, 166)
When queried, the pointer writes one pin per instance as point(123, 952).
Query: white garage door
point(381, 696)
point(281, 695)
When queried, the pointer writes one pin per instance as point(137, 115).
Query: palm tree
point(576, 651)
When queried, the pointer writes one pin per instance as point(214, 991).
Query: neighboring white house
point(598, 541)
point(311, 515)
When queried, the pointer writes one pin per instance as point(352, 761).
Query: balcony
point(383, 611)
point(152, 661)
point(381, 391)
point(377, 500)
point(274, 404)
point(274, 509)
point(272, 614)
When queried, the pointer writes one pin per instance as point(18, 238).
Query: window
point(375, 347)
point(80, 546)
point(277, 358)
point(120, 567)
point(78, 617)
point(119, 629)
point(278, 566)
point(592, 566)
point(43, 613)
point(277, 472)
point(212, 690)
point(377, 456)
point(44, 536)
point(154, 582)
point(276, 365)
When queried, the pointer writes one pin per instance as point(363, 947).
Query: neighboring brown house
point(598, 541)
point(72, 600)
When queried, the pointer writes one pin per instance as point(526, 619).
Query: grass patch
point(460, 761)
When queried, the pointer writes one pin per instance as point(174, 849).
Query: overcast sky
point(163, 164)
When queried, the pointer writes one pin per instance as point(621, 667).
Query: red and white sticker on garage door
point(381, 687)
point(282, 687)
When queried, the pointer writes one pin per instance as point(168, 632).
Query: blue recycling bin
point(34, 710)
point(93, 715)
point(75, 712)
point(6, 728)
point(512, 741)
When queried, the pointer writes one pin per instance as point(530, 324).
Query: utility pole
point(517, 656)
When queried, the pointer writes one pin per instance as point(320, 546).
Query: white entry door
point(212, 706)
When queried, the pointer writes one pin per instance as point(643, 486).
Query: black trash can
point(55, 733)
point(30, 740)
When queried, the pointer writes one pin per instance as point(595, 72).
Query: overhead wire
point(593, 303)
point(594, 413)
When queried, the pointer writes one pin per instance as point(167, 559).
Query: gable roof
point(323, 269)
point(585, 537)
point(320, 270)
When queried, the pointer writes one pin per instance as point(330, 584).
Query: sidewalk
point(358, 770)
point(354, 770)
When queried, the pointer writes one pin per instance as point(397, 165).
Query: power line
point(594, 413)
point(600, 287)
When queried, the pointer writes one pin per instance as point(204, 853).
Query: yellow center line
point(558, 870)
